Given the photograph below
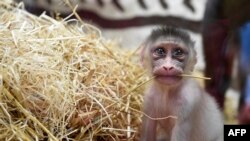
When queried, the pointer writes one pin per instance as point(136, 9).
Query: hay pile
point(62, 81)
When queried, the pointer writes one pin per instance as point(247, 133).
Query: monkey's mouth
point(168, 79)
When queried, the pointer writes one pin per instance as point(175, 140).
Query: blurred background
point(220, 28)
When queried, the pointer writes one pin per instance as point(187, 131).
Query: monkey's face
point(167, 53)
point(168, 61)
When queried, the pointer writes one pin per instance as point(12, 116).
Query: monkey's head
point(167, 53)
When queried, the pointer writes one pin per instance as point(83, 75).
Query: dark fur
point(166, 31)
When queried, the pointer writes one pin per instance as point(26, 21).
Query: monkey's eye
point(159, 52)
point(178, 52)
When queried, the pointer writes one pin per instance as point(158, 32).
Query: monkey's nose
point(168, 68)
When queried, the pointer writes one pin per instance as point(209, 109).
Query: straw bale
point(61, 80)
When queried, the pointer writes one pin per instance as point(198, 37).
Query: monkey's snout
point(167, 71)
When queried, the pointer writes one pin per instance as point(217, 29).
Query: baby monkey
point(167, 54)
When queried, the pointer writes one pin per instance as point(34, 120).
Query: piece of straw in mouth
point(195, 76)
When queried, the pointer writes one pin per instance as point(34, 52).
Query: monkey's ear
point(193, 61)
point(142, 51)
